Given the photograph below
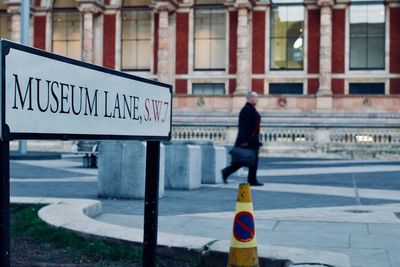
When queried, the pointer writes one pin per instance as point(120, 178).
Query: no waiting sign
point(47, 96)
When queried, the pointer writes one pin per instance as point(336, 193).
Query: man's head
point(252, 97)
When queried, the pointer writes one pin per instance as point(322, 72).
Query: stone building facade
point(328, 71)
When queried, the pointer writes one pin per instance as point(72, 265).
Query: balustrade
point(365, 136)
point(349, 141)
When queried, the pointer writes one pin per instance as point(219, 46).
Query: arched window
point(66, 33)
point(5, 22)
point(136, 35)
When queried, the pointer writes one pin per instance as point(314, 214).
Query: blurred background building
point(328, 71)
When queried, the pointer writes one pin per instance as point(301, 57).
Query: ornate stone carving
point(164, 6)
point(324, 3)
point(282, 102)
point(367, 102)
point(243, 4)
point(93, 7)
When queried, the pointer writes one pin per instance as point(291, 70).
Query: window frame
point(286, 83)
point(209, 7)
point(367, 3)
point(136, 9)
point(213, 84)
point(271, 37)
point(67, 11)
point(366, 84)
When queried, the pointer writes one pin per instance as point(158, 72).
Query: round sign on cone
point(243, 250)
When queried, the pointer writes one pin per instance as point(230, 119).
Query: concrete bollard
point(213, 160)
point(122, 169)
point(182, 166)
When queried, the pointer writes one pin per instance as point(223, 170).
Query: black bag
point(244, 156)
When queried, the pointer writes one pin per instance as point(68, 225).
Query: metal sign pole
point(25, 22)
point(5, 203)
point(151, 203)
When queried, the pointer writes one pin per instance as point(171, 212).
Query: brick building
point(328, 71)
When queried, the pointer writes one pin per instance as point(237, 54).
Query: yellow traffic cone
point(243, 250)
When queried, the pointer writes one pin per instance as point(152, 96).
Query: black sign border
point(6, 135)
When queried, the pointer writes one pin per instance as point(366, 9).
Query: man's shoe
point(256, 183)
point(224, 177)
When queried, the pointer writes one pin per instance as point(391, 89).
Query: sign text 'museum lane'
point(46, 94)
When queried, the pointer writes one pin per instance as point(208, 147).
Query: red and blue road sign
point(243, 228)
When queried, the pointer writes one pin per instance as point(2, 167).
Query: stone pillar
point(182, 165)
point(324, 95)
point(15, 10)
point(163, 9)
point(213, 160)
point(243, 47)
point(88, 10)
point(163, 46)
point(325, 61)
point(122, 169)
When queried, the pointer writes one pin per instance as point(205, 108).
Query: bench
point(89, 150)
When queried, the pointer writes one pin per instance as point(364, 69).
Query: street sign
point(47, 96)
point(243, 228)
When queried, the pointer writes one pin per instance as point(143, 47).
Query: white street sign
point(50, 96)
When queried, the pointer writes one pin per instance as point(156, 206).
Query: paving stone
point(327, 227)
point(375, 241)
point(384, 228)
point(365, 257)
point(304, 239)
point(394, 256)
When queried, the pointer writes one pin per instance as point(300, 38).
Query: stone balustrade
point(307, 141)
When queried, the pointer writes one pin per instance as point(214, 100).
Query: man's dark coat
point(249, 127)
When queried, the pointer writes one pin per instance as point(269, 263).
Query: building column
point(88, 10)
point(324, 95)
point(325, 60)
point(163, 56)
point(162, 53)
point(243, 47)
point(15, 10)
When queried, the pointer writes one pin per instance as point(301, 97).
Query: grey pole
point(25, 10)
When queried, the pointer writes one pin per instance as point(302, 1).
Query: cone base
point(243, 257)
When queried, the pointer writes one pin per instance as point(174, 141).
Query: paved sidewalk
point(323, 214)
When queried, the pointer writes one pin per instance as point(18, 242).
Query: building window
point(287, 36)
point(66, 34)
point(136, 39)
point(208, 88)
point(209, 39)
point(367, 37)
point(5, 25)
point(367, 88)
point(285, 88)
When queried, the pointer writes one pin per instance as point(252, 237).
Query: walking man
point(248, 137)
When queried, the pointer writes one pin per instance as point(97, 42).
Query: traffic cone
point(243, 250)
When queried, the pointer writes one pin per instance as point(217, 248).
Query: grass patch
point(32, 240)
